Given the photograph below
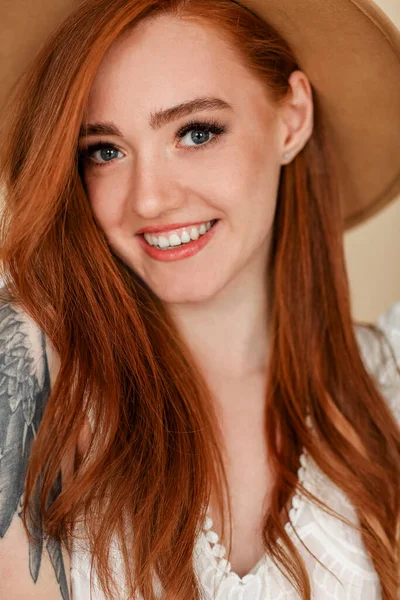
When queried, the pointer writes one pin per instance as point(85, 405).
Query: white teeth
point(185, 237)
point(163, 242)
point(194, 233)
point(176, 240)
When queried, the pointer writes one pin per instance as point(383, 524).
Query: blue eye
point(204, 128)
point(108, 152)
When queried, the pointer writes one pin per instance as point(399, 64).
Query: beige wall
point(373, 248)
point(392, 8)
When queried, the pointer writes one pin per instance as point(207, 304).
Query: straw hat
point(349, 50)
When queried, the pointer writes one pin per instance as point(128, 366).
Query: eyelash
point(212, 126)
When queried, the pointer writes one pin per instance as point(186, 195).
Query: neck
point(228, 333)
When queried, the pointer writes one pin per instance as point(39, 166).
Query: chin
point(190, 294)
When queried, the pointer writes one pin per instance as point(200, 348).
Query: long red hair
point(156, 452)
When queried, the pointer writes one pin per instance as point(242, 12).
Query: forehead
point(166, 61)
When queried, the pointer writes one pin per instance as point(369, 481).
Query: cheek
point(251, 168)
point(255, 188)
point(255, 203)
point(107, 202)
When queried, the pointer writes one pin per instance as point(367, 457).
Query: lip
point(182, 251)
point(164, 228)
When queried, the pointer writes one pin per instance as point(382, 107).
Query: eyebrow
point(160, 118)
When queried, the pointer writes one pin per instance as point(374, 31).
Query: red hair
point(156, 452)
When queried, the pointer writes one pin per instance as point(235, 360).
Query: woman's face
point(150, 177)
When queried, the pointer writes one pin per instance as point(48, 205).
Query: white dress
point(335, 544)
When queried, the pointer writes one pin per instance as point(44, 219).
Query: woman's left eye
point(202, 129)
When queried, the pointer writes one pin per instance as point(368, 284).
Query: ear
point(296, 113)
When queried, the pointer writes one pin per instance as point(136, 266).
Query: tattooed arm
point(27, 570)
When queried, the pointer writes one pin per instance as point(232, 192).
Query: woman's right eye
point(107, 154)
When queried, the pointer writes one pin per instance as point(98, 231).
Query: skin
point(155, 178)
point(27, 569)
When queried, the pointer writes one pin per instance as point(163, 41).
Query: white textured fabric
point(336, 545)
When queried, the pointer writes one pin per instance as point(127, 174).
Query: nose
point(155, 189)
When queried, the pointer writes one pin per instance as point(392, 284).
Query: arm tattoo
point(24, 390)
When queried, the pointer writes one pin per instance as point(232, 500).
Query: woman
point(176, 318)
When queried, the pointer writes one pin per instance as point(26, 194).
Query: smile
point(184, 236)
point(175, 247)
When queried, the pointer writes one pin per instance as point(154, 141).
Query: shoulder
point(380, 350)
point(389, 322)
point(27, 366)
point(23, 345)
point(24, 390)
point(381, 342)
point(33, 569)
point(21, 342)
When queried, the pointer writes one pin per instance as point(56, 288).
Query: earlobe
point(287, 157)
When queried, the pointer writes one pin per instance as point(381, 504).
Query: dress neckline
point(217, 550)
